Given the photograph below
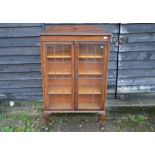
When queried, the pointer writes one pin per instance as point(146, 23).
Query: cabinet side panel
point(44, 79)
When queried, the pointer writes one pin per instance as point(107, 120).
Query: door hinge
point(123, 40)
point(114, 41)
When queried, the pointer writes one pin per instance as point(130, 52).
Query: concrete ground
point(124, 116)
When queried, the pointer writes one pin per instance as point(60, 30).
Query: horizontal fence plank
point(137, 28)
point(20, 83)
point(136, 81)
point(140, 37)
point(20, 76)
point(112, 64)
point(20, 68)
point(113, 48)
point(21, 90)
point(136, 89)
point(111, 89)
point(111, 81)
point(136, 72)
point(19, 59)
point(140, 96)
point(143, 55)
point(111, 73)
point(137, 47)
point(19, 42)
point(113, 56)
point(20, 32)
point(20, 24)
point(15, 51)
point(136, 64)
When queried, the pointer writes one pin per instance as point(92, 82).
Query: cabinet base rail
point(101, 117)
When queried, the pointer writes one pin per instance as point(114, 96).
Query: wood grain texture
point(20, 32)
point(19, 42)
point(15, 68)
point(12, 25)
point(136, 64)
point(141, 55)
point(136, 61)
point(137, 28)
point(112, 28)
point(74, 96)
point(19, 59)
point(137, 46)
point(147, 72)
point(16, 51)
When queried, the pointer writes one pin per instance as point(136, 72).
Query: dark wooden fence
point(131, 68)
point(136, 61)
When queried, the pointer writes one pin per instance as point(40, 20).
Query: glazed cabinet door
point(90, 75)
point(59, 76)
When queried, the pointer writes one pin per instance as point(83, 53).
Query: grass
point(28, 117)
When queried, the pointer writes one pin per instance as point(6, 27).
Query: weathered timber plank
point(19, 42)
point(137, 28)
point(136, 64)
point(138, 96)
point(20, 25)
point(20, 32)
point(139, 37)
point(111, 81)
point(149, 55)
point(21, 90)
point(20, 68)
point(136, 81)
point(11, 51)
point(147, 72)
point(112, 64)
point(19, 59)
point(20, 76)
point(136, 89)
point(137, 47)
point(132, 102)
point(20, 83)
point(111, 73)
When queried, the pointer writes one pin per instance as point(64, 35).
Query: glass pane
point(59, 74)
point(90, 76)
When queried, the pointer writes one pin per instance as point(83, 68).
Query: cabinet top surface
point(62, 30)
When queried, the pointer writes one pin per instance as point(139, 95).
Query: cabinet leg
point(46, 118)
point(101, 119)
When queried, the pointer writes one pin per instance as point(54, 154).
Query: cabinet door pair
point(74, 75)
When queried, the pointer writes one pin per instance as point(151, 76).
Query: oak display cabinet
point(74, 69)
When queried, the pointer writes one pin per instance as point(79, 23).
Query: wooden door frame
point(105, 67)
point(45, 76)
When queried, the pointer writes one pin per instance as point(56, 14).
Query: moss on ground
point(28, 117)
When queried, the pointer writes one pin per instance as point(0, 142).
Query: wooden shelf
point(90, 56)
point(60, 90)
point(58, 73)
point(90, 90)
point(90, 73)
point(59, 56)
